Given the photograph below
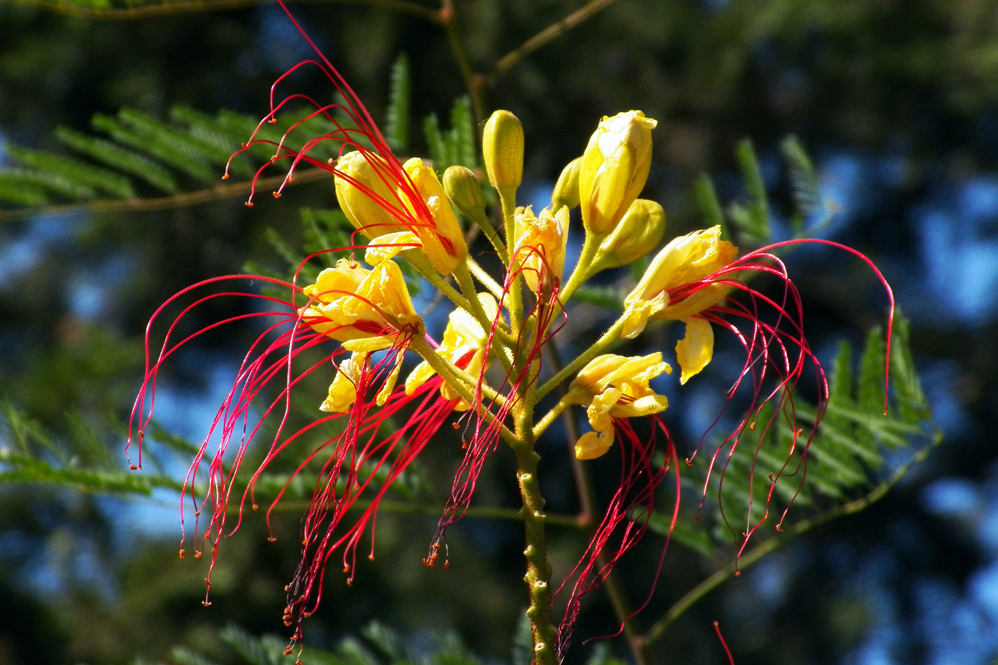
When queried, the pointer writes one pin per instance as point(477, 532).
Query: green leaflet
point(399, 104)
point(846, 461)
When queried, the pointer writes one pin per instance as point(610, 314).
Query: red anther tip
point(277, 195)
point(249, 204)
point(290, 178)
point(779, 527)
point(142, 435)
point(751, 425)
point(697, 517)
point(287, 651)
point(256, 507)
point(272, 539)
point(181, 554)
point(197, 554)
point(689, 462)
point(455, 425)
point(272, 121)
point(370, 557)
point(225, 176)
point(206, 603)
point(738, 573)
point(306, 614)
point(446, 565)
point(133, 467)
point(287, 623)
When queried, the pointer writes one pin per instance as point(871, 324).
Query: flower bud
point(502, 148)
point(566, 190)
point(465, 192)
point(440, 233)
point(360, 181)
point(638, 233)
point(614, 169)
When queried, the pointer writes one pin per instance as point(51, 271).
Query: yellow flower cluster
point(406, 211)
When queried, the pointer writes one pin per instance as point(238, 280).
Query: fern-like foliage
point(80, 460)
point(139, 155)
point(456, 145)
point(856, 453)
point(376, 644)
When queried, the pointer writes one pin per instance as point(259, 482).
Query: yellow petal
point(369, 344)
point(343, 390)
point(592, 445)
point(386, 247)
point(695, 350)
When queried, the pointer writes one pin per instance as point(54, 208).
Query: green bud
point(637, 233)
point(465, 192)
point(566, 190)
point(503, 151)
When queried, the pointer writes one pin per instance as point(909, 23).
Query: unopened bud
point(502, 147)
point(566, 190)
point(614, 169)
point(361, 180)
point(440, 234)
point(638, 233)
point(465, 192)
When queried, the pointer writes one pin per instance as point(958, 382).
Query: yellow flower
point(343, 390)
point(463, 346)
point(439, 233)
point(365, 309)
point(614, 169)
point(613, 386)
point(674, 288)
point(540, 246)
point(363, 192)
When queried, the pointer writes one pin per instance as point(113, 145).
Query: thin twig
point(746, 560)
point(447, 18)
point(164, 202)
point(191, 6)
point(547, 34)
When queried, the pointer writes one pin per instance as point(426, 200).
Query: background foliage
point(132, 108)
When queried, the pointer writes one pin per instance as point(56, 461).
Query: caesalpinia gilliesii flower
point(676, 287)
point(439, 235)
point(613, 386)
point(540, 246)
point(364, 309)
point(404, 211)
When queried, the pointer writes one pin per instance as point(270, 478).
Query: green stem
point(610, 336)
point(584, 269)
point(514, 297)
point(538, 577)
